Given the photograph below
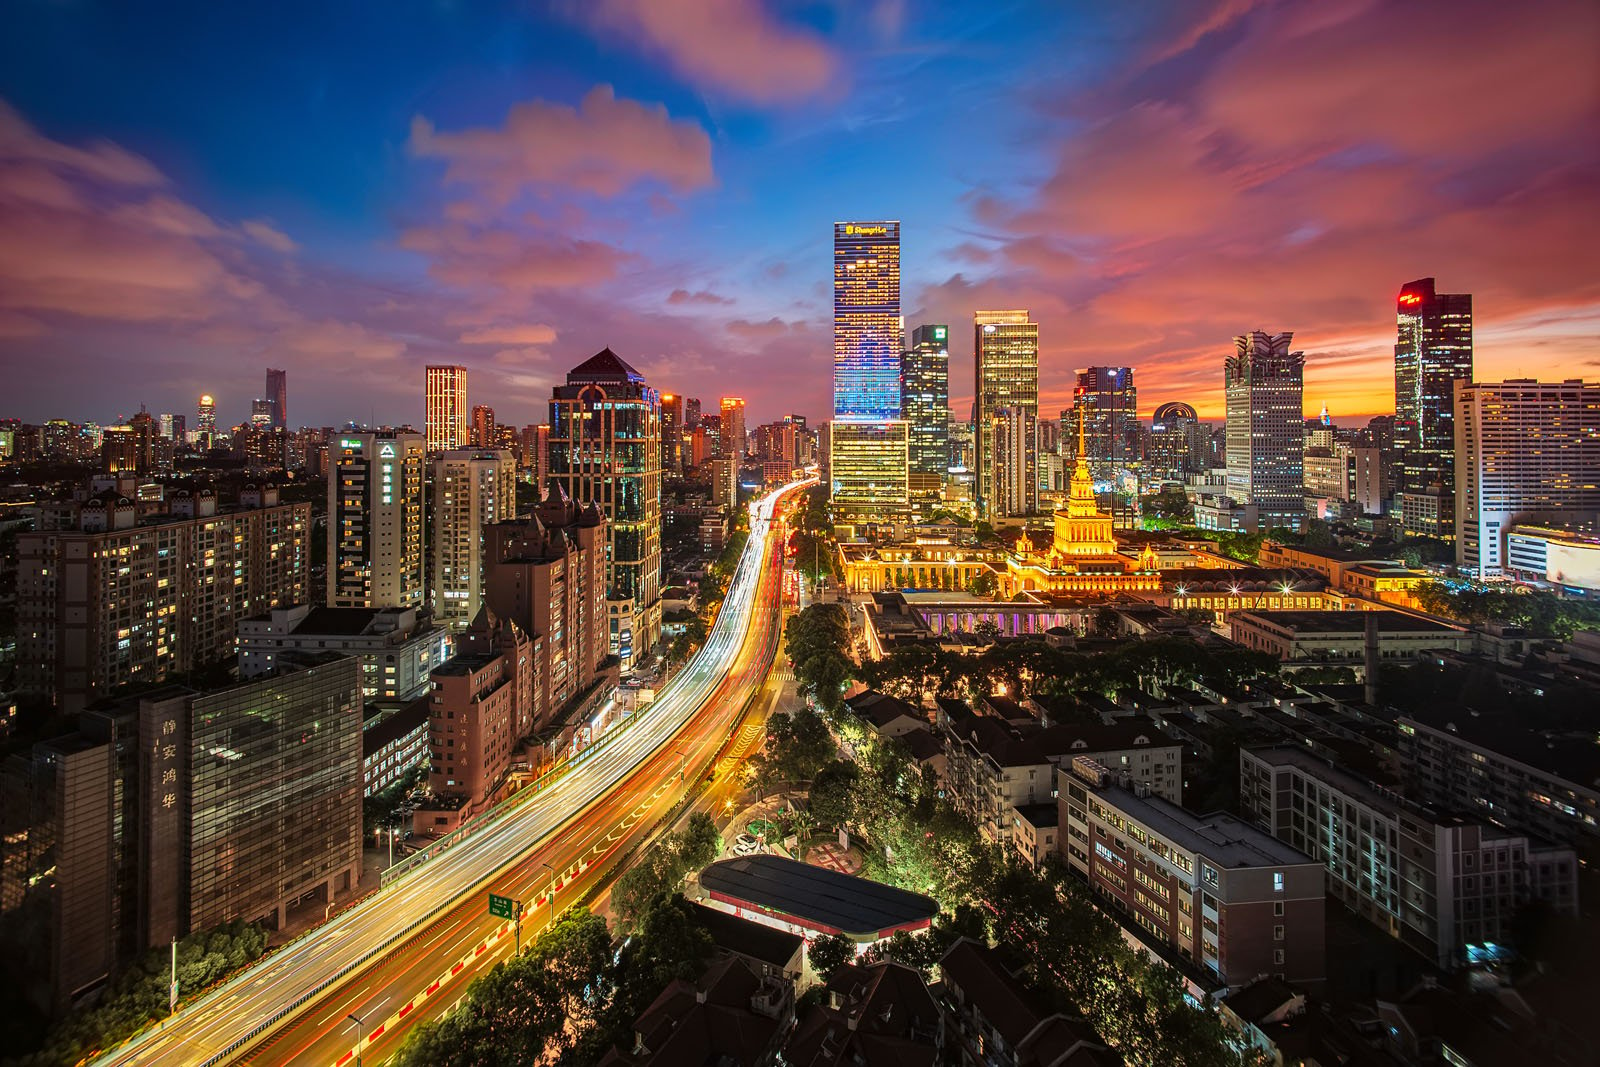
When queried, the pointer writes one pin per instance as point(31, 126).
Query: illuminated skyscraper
point(206, 424)
point(605, 448)
point(672, 434)
point(376, 532)
point(1265, 389)
point(472, 488)
point(1525, 452)
point(1175, 442)
point(445, 422)
point(868, 440)
point(278, 395)
point(866, 320)
point(1433, 351)
point(925, 406)
point(735, 440)
point(1110, 404)
point(1005, 347)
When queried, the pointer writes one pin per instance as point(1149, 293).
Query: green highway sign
point(502, 907)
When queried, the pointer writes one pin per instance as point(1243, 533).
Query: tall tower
point(1110, 410)
point(206, 423)
point(605, 448)
point(446, 416)
point(376, 533)
point(868, 439)
point(1265, 385)
point(1433, 351)
point(925, 406)
point(672, 434)
point(735, 439)
point(472, 489)
point(1005, 349)
point(482, 434)
point(277, 395)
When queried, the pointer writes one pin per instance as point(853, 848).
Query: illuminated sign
point(349, 442)
point(386, 450)
point(938, 333)
point(866, 231)
point(1410, 298)
point(988, 327)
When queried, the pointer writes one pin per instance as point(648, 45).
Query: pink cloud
point(266, 234)
point(501, 258)
point(603, 147)
point(734, 48)
point(699, 296)
point(533, 334)
point(101, 161)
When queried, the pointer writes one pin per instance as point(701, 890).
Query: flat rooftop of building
point(746, 938)
point(466, 663)
point(1349, 622)
point(1040, 815)
point(816, 897)
point(1227, 839)
point(1570, 754)
point(397, 723)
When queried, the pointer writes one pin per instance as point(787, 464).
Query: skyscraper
point(672, 425)
point(482, 434)
point(1014, 434)
point(1110, 412)
point(1432, 352)
point(735, 440)
point(278, 395)
point(868, 441)
point(866, 320)
point(206, 423)
point(446, 416)
point(472, 489)
point(925, 406)
point(1266, 435)
point(605, 447)
point(1525, 451)
point(1005, 348)
point(376, 532)
point(1175, 442)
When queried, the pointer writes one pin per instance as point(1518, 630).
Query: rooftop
point(1572, 755)
point(1227, 839)
point(1348, 622)
point(816, 897)
point(745, 938)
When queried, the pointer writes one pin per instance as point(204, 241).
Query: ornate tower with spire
point(1083, 531)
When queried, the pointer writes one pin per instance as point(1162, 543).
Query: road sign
point(502, 907)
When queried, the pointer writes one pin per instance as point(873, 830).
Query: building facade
point(397, 647)
point(1524, 451)
point(1433, 351)
point(115, 600)
point(377, 485)
point(277, 395)
point(1107, 402)
point(1006, 375)
point(925, 406)
point(735, 439)
point(672, 427)
point(1175, 451)
point(868, 472)
point(472, 489)
point(866, 321)
point(1264, 382)
point(445, 414)
point(605, 448)
point(1213, 888)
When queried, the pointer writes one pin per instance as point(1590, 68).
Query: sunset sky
point(353, 190)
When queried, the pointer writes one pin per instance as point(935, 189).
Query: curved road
point(409, 951)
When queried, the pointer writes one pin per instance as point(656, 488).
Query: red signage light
point(1410, 298)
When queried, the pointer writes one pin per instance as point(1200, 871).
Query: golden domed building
point(1082, 556)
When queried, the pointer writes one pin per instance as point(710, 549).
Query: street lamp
point(358, 1021)
point(552, 893)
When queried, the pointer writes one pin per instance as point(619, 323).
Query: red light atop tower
point(1410, 298)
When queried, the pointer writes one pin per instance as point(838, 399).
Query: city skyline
point(419, 217)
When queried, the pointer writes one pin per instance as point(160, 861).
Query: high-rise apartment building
point(866, 320)
point(445, 422)
point(106, 599)
point(605, 448)
point(1005, 348)
point(1110, 408)
point(472, 490)
point(536, 454)
point(868, 448)
point(277, 395)
point(672, 427)
point(1432, 352)
point(925, 406)
point(377, 489)
point(482, 705)
point(1265, 384)
point(735, 439)
point(1525, 451)
point(1014, 438)
point(482, 434)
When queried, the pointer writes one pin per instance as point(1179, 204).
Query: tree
point(818, 640)
point(832, 797)
point(983, 584)
point(828, 953)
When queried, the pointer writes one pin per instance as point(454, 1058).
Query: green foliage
point(691, 637)
point(530, 1008)
point(1541, 614)
point(983, 584)
point(138, 996)
point(662, 868)
point(830, 952)
point(797, 747)
point(818, 640)
point(1170, 505)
